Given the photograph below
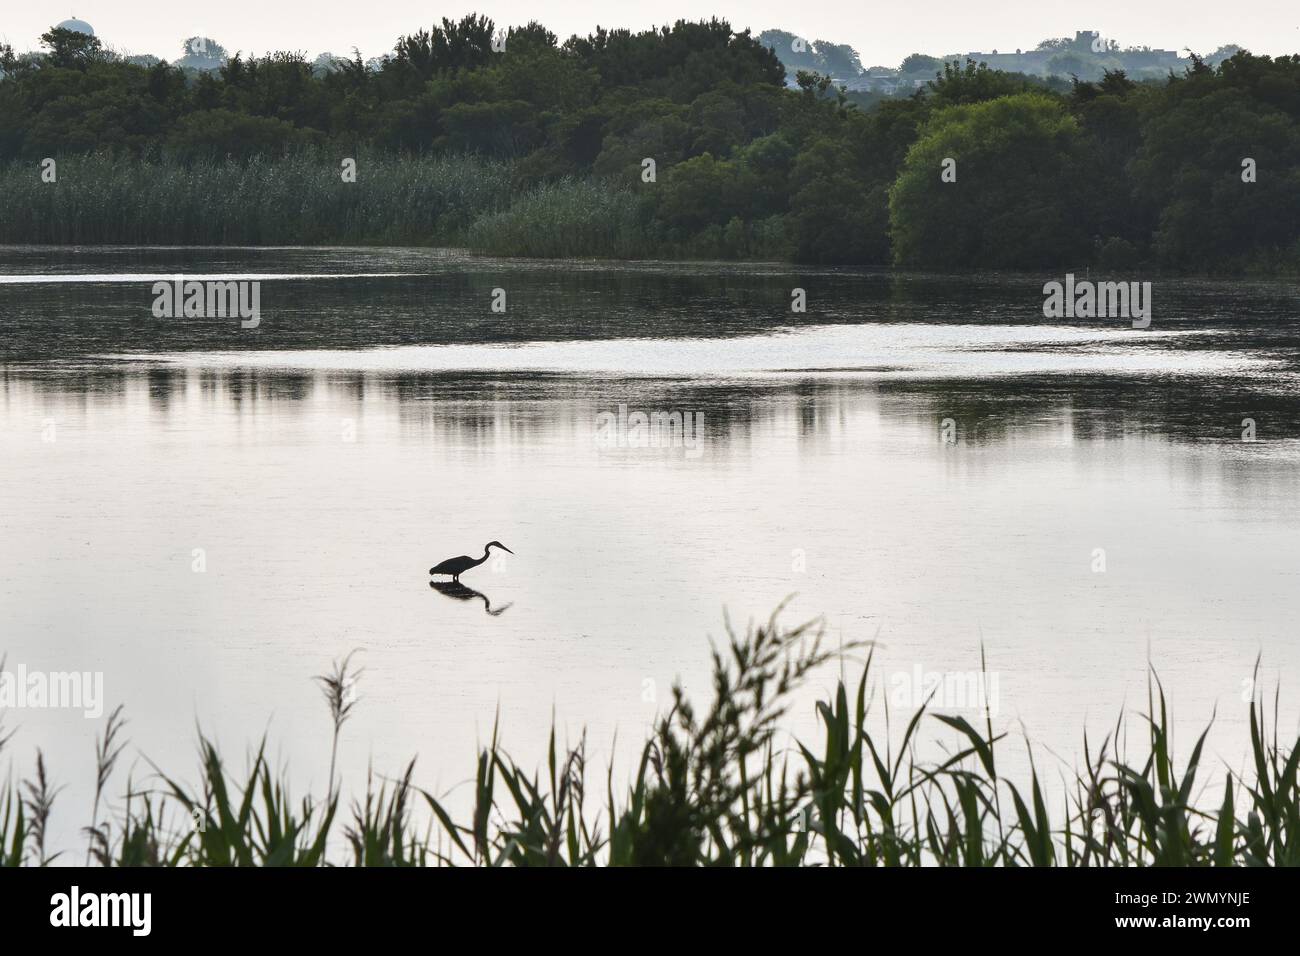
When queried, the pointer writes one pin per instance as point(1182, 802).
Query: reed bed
point(298, 199)
point(711, 788)
point(565, 219)
point(302, 199)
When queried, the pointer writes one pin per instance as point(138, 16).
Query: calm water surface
point(382, 418)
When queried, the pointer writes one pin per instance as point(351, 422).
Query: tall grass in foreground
point(712, 787)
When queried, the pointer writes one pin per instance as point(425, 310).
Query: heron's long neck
point(486, 552)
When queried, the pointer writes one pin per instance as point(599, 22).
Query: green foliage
point(702, 191)
point(1007, 207)
point(1188, 172)
point(920, 63)
point(215, 134)
point(1117, 254)
point(716, 787)
point(1050, 172)
point(976, 83)
point(70, 49)
point(298, 199)
point(564, 219)
point(833, 216)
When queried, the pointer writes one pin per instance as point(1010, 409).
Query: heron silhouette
point(454, 589)
point(459, 565)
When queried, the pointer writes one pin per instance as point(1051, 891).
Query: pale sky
point(883, 34)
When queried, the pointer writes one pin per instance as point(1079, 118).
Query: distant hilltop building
point(77, 26)
point(1087, 55)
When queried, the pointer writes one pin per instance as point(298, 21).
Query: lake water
point(208, 515)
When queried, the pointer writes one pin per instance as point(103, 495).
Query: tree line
point(980, 169)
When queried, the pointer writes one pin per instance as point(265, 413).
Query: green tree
point(834, 216)
point(1013, 202)
point(71, 49)
point(920, 63)
point(1189, 170)
point(975, 83)
point(220, 133)
point(702, 192)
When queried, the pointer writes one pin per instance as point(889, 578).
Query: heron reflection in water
point(454, 589)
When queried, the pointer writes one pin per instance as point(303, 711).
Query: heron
point(459, 565)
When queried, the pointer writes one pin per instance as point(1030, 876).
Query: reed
point(301, 199)
point(298, 199)
point(712, 788)
point(567, 219)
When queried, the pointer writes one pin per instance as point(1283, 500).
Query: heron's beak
point(504, 548)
